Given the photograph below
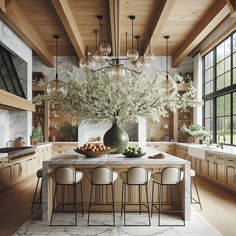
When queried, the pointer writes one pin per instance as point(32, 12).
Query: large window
point(219, 90)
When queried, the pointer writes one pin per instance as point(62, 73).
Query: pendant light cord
point(56, 37)
point(149, 41)
point(132, 33)
point(167, 72)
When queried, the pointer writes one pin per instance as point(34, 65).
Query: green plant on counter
point(36, 135)
point(67, 131)
point(185, 77)
point(194, 130)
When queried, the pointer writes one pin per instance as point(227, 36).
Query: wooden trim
point(114, 6)
point(212, 18)
point(232, 6)
point(65, 14)
point(16, 19)
point(12, 101)
point(163, 11)
point(220, 38)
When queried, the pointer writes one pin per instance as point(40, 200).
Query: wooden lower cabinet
point(26, 166)
point(230, 176)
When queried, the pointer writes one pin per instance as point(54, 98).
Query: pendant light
point(140, 63)
point(97, 55)
point(57, 89)
point(105, 47)
point(149, 56)
point(168, 86)
point(86, 61)
point(132, 54)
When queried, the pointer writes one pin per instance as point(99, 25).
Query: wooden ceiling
point(187, 22)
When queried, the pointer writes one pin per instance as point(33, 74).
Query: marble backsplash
point(4, 127)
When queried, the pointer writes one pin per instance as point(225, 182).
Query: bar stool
point(193, 200)
point(169, 176)
point(135, 176)
point(67, 176)
point(102, 176)
point(39, 199)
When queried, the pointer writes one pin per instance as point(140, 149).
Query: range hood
point(12, 95)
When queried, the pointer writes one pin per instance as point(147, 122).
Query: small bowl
point(132, 155)
point(91, 154)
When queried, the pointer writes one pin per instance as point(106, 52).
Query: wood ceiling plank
point(213, 17)
point(163, 12)
point(232, 7)
point(17, 20)
point(65, 14)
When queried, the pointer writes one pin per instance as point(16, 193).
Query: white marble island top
point(72, 158)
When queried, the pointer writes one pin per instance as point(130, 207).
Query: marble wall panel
point(4, 127)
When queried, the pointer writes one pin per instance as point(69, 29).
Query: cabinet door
point(16, 171)
point(203, 167)
point(7, 175)
point(230, 176)
point(211, 169)
point(30, 166)
point(220, 172)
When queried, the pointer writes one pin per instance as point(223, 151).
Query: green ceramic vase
point(116, 138)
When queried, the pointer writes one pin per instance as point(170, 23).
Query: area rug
point(197, 226)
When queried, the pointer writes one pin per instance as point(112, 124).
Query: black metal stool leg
point(122, 201)
point(54, 200)
point(199, 201)
point(139, 193)
point(35, 192)
point(153, 184)
point(180, 199)
point(91, 192)
point(113, 204)
point(124, 204)
point(74, 200)
point(81, 198)
point(149, 219)
point(160, 192)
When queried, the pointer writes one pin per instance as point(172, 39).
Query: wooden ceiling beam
point(232, 7)
point(65, 14)
point(212, 18)
point(114, 7)
point(162, 13)
point(16, 19)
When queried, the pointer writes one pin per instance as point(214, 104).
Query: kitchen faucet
point(221, 143)
point(209, 141)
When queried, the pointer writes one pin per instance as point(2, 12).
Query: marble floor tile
point(197, 226)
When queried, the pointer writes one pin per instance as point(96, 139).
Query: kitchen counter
point(3, 155)
point(118, 163)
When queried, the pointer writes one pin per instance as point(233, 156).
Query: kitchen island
point(118, 163)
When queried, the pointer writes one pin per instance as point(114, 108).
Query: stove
point(17, 152)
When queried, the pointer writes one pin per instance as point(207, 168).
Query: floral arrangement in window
point(194, 130)
point(99, 98)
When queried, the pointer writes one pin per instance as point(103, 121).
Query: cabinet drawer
point(210, 157)
point(220, 159)
point(231, 161)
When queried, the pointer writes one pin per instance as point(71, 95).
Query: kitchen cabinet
point(7, 174)
point(17, 171)
point(230, 173)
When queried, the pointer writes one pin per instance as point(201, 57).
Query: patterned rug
point(198, 226)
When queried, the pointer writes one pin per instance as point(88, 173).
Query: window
point(219, 90)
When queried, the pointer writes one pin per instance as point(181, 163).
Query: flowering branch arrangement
point(97, 97)
point(195, 130)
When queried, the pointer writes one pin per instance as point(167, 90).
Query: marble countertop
point(115, 159)
point(2, 155)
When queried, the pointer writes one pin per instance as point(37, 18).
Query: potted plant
point(36, 135)
point(194, 132)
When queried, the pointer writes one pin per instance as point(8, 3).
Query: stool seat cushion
point(157, 178)
point(137, 180)
point(39, 173)
point(102, 179)
point(192, 172)
point(64, 178)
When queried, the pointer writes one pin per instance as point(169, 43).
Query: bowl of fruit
point(134, 151)
point(93, 150)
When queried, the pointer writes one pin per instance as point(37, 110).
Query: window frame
point(231, 89)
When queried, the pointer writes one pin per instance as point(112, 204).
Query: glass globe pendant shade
point(98, 57)
point(168, 87)
point(116, 71)
point(141, 63)
point(105, 49)
point(132, 54)
point(86, 63)
point(149, 56)
point(57, 89)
